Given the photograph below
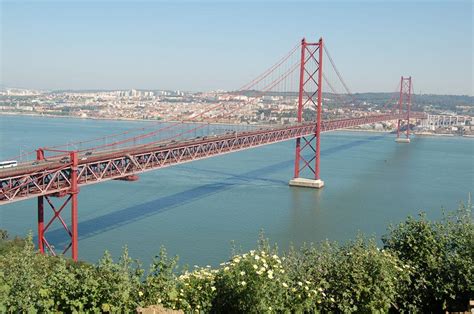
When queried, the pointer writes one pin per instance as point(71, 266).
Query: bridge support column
point(72, 199)
point(74, 192)
point(404, 99)
point(41, 224)
point(310, 94)
point(40, 202)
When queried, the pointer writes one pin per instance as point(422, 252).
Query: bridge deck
point(51, 176)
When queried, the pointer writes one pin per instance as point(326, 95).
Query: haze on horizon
point(208, 46)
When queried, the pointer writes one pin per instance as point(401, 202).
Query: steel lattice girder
point(130, 161)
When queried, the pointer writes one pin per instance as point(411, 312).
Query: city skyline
point(211, 46)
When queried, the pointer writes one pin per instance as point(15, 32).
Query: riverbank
point(124, 119)
point(424, 134)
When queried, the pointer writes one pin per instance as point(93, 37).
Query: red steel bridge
point(56, 172)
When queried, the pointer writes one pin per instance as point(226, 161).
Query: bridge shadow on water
point(91, 227)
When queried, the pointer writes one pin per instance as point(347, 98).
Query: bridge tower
point(404, 101)
point(43, 245)
point(309, 96)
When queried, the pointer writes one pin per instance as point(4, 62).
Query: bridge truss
point(61, 176)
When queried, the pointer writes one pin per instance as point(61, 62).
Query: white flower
point(282, 271)
point(275, 256)
point(320, 289)
point(243, 283)
point(255, 266)
point(257, 257)
point(242, 273)
point(226, 268)
point(236, 260)
point(213, 288)
point(159, 300)
point(140, 293)
point(270, 276)
point(332, 299)
point(300, 283)
point(306, 288)
point(270, 271)
point(269, 308)
point(307, 282)
point(284, 285)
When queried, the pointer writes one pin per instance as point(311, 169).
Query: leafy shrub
point(250, 283)
point(159, 286)
point(424, 267)
point(442, 257)
point(354, 277)
point(197, 289)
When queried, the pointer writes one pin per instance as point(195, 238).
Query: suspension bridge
point(297, 80)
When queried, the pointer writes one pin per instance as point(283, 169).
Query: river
point(197, 210)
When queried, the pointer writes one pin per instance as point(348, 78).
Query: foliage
point(441, 255)
point(354, 277)
point(159, 286)
point(424, 266)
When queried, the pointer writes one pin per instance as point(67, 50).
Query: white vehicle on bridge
point(8, 164)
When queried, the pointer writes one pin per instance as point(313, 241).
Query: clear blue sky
point(221, 45)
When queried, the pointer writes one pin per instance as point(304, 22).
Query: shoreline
point(421, 134)
point(120, 119)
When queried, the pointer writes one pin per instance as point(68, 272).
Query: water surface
point(195, 210)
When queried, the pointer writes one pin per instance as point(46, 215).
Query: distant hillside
point(454, 103)
point(461, 104)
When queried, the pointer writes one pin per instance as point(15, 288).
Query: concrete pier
point(402, 140)
point(307, 183)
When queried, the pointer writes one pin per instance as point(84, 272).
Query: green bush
point(159, 286)
point(424, 267)
point(441, 255)
point(354, 277)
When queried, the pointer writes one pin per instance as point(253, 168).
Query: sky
point(200, 46)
